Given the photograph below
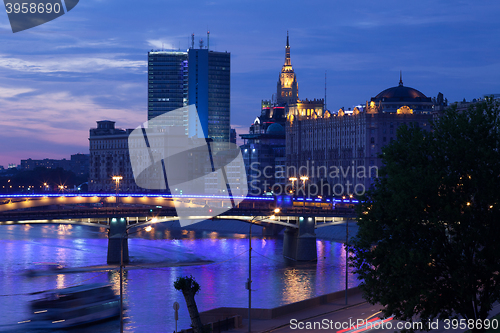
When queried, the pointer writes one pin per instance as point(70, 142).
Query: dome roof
point(275, 129)
point(401, 93)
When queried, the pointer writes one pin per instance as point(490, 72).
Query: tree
point(189, 288)
point(428, 242)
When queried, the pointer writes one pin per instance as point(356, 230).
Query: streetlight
point(292, 179)
point(249, 282)
point(148, 228)
point(304, 178)
point(117, 180)
point(346, 257)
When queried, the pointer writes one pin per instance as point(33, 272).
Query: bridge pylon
point(272, 230)
point(117, 241)
point(300, 243)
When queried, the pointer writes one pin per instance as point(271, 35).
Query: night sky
point(58, 79)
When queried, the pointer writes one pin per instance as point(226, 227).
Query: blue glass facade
point(209, 89)
point(167, 84)
point(198, 76)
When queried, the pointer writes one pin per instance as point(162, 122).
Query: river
point(148, 291)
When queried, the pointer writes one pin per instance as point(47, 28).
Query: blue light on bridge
point(124, 195)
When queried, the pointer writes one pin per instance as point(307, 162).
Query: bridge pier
point(272, 230)
point(300, 244)
point(290, 243)
point(117, 240)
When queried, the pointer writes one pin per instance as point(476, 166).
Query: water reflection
point(60, 281)
point(148, 285)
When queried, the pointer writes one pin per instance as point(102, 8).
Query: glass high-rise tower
point(198, 76)
point(167, 85)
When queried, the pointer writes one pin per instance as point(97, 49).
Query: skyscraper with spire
point(288, 89)
point(265, 142)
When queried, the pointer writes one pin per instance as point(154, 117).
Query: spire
point(400, 78)
point(287, 51)
point(288, 91)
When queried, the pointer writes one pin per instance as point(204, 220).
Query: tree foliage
point(429, 231)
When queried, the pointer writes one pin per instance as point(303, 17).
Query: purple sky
point(58, 79)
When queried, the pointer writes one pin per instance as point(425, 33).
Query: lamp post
point(292, 179)
point(148, 228)
point(304, 179)
point(117, 181)
point(346, 257)
point(249, 282)
point(121, 281)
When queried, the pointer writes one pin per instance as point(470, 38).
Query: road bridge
point(136, 210)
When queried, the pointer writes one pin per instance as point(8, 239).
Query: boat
point(75, 306)
point(44, 268)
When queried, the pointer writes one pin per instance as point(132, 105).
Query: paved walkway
point(329, 315)
point(282, 323)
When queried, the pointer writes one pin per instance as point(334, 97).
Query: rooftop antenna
point(192, 41)
point(208, 40)
point(162, 46)
point(325, 90)
point(201, 43)
point(400, 78)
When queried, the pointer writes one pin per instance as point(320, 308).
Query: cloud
point(12, 92)
point(78, 64)
point(401, 20)
point(58, 118)
point(111, 42)
point(161, 43)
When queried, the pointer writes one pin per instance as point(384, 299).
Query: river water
point(148, 287)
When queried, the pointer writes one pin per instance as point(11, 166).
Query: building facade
point(209, 89)
point(78, 164)
point(339, 152)
point(167, 85)
point(264, 157)
point(197, 76)
point(109, 157)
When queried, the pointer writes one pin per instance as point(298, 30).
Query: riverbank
point(264, 320)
